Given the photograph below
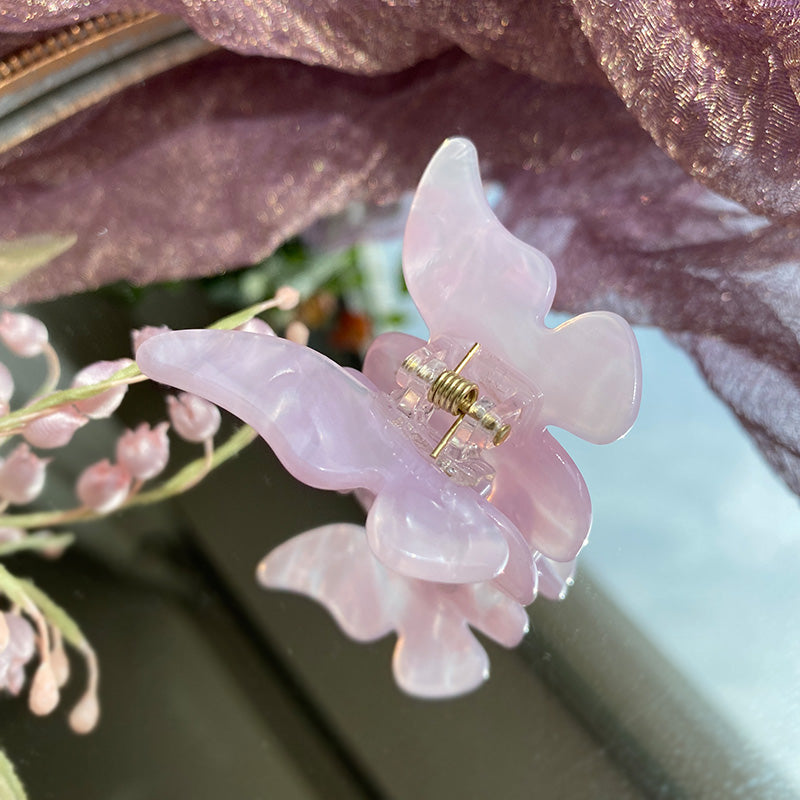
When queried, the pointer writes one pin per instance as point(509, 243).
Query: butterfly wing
point(320, 421)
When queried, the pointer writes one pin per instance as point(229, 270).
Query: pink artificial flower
point(83, 718)
point(8, 535)
point(22, 475)
point(51, 552)
point(54, 429)
point(19, 650)
point(23, 334)
point(102, 405)
point(140, 336)
point(287, 298)
point(461, 539)
point(103, 486)
point(193, 418)
point(297, 332)
point(44, 694)
point(6, 388)
point(144, 452)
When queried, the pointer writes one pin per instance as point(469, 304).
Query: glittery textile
point(212, 165)
point(715, 82)
point(362, 36)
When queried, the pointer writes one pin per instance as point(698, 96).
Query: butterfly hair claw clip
point(472, 506)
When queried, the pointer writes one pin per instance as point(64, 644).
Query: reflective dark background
point(211, 685)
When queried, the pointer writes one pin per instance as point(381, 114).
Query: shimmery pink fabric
point(363, 36)
point(434, 556)
point(715, 82)
point(279, 145)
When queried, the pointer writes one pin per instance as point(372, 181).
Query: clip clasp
point(486, 402)
point(458, 396)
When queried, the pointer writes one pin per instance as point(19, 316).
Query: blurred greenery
point(341, 275)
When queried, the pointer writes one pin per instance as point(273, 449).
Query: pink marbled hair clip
point(472, 506)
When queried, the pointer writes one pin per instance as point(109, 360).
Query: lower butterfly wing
point(334, 566)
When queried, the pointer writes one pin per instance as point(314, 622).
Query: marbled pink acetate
point(436, 654)
point(434, 557)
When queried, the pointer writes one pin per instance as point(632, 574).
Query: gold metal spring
point(453, 393)
point(458, 396)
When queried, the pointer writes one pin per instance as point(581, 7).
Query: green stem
point(174, 486)
point(14, 422)
point(37, 542)
point(53, 371)
point(245, 315)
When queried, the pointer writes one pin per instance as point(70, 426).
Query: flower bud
point(287, 298)
point(52, 552)
point(84, 717)
point(85, 714)
point(256, 325)
point(22, 334)
point(106, 403)
point(44, 694)
point(103, 486)
point(144, 452)
point(6, 385)
point(18, 651)
point(54, 429)
point(5, 633)
point(193, 418)
point(297, 332)
point(11, 535)
point(22, 476)
point(15, 678)
point(23, 640)
point(140, 336)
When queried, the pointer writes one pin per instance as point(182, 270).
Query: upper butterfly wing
point(472, 278)
point(468, 275)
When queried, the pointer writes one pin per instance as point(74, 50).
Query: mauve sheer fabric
point(650, 148)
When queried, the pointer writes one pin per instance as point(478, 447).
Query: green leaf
point(10, 785)
point(10, 587)
point(20, 257)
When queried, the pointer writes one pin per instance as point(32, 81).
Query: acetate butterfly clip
point(472, 505)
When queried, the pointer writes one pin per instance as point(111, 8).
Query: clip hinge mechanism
point(458, 396)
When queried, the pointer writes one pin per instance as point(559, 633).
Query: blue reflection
point(698, 541)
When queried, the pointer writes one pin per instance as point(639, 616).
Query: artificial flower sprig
point(32, 624)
